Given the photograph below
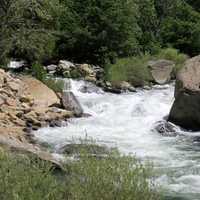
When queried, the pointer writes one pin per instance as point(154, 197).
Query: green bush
point(133, 70)
point(174, 55)
point(38, 72)
point(107, 178)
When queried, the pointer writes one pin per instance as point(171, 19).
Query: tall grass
point(90, 178)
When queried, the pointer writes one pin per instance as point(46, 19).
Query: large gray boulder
point(161, 70)
point(186, 108)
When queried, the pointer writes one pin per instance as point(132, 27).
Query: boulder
point(186, 108)
point(86, 70)
point(161, 70)
point(71, 103)
point(40, 93)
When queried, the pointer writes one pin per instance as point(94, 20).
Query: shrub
point(38, 72)
point(133, 70)
point(174, 55)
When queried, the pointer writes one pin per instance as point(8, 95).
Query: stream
point(127, 121)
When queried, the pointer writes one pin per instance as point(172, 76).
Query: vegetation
point(108, 178)
point(96, 31)
point(135, 69)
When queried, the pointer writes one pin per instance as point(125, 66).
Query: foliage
point(38, 72)
point(131, 69)
point(181, 28)
point(172, 54)
point(113, 177)
point(26, 29)
point(148, 22)
point(135, 69)
point(96, 31)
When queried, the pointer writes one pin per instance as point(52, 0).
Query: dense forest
point(96, 31)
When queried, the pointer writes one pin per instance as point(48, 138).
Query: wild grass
point(106, 178)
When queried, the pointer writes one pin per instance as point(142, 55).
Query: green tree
point(181, 28)
point(148, 23)
point(26, 29)
point(95, 31)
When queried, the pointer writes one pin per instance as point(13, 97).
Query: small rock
point(166, 129)
point(146, 87)
point(65, 65)
point(51, 67)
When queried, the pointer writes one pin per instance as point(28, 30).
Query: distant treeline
point(96, 31)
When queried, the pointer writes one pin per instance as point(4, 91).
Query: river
point(128, 121)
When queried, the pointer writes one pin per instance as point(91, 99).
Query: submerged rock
point(186, 108)
point(166, 129)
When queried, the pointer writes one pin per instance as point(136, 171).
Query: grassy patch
point(106, 178)
point(135, 69)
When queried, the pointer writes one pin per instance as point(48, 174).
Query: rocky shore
point(27, 104)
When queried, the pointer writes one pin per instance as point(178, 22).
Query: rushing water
point(128, 121)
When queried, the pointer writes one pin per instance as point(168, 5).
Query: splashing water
point(127, 121)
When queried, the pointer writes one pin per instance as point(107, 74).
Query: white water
point(127, 121)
